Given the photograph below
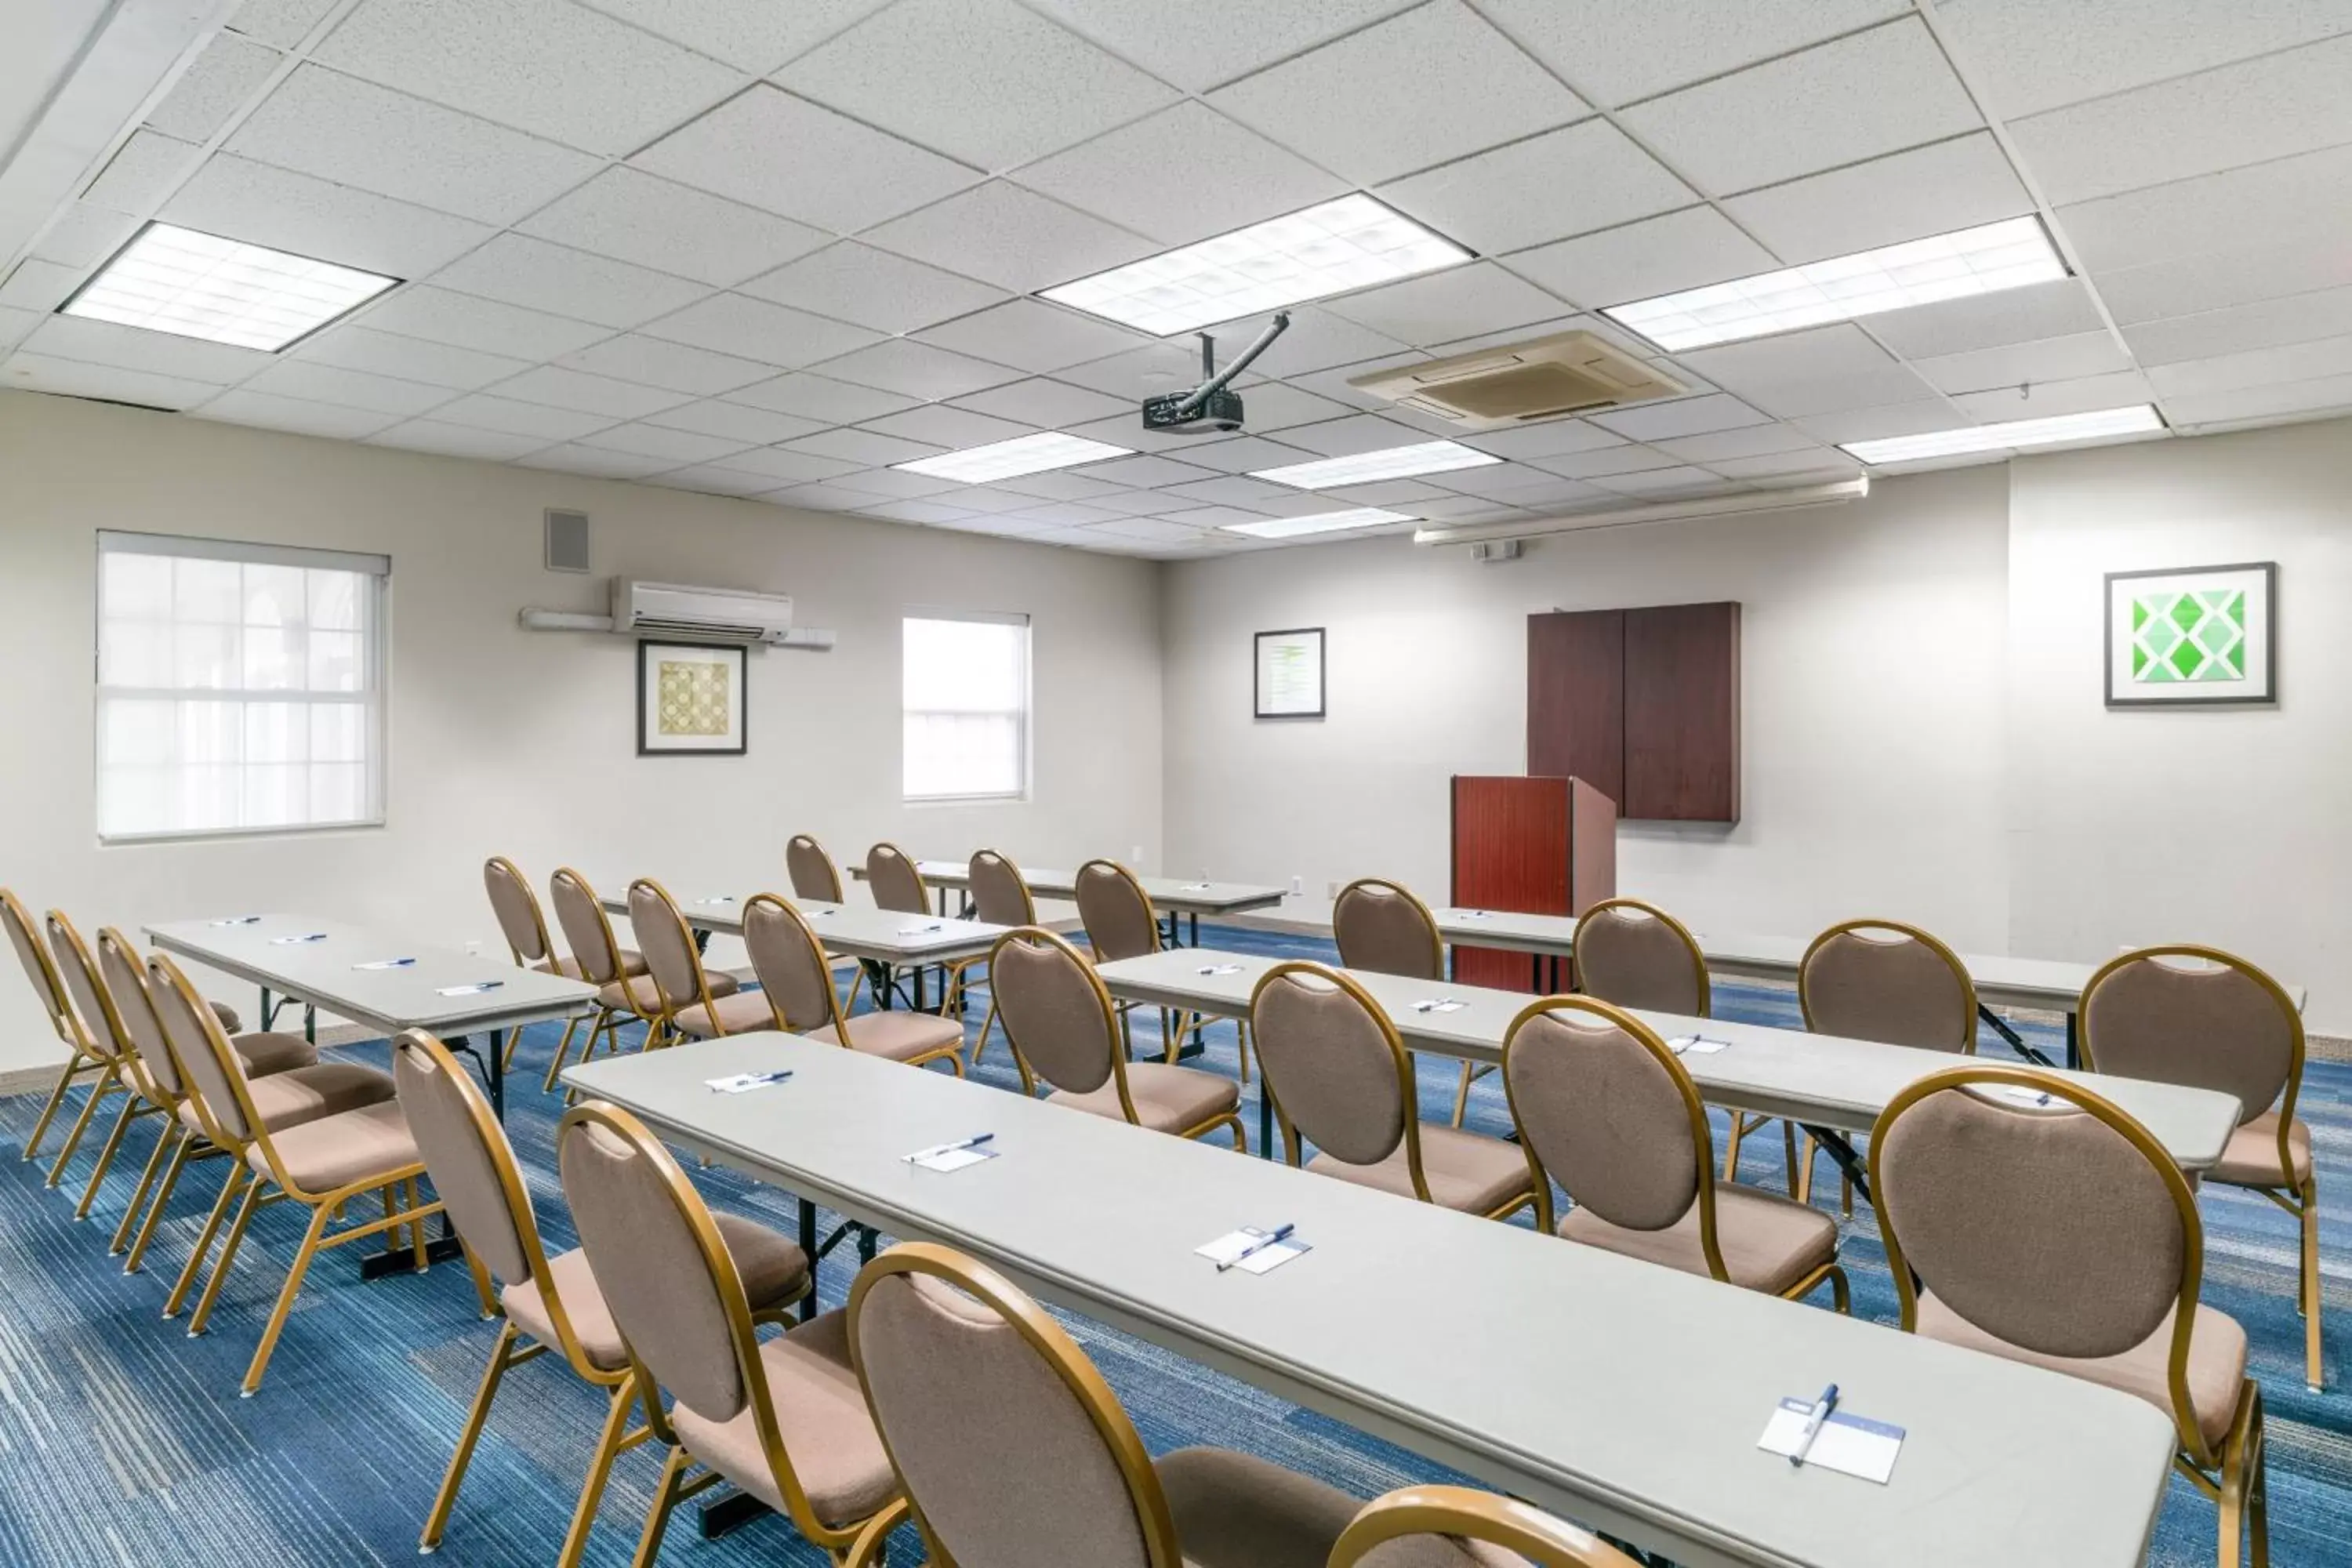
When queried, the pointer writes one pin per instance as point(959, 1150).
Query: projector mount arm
point(1213, 380)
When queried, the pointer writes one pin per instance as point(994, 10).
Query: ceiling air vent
point(1570, 373)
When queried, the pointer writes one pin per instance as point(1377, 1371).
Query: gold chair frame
point(1175, 1023)
point(1029, 903)
point(836, 895)
point(950, 1053)
point(1471, 1071)
point(664, 1030)
point(142, 1096)
point(546, 948)
point(1471, 1515)
point(606, 1020)
point(81, 1056)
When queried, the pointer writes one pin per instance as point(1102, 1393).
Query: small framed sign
point(2196, 635)
point(690, 699)
point(1290, 674)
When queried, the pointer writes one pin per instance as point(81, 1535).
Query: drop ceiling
point(771, 250)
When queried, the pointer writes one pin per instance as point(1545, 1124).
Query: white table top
point(1625, 1394)
point(322, 973)
point(1820, 1080)
point(1168, 894)
point(847, 930)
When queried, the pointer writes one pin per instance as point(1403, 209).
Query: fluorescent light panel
point(1350, 243)
point(1010, 459)
point(1389, 463)
point(1984, 261)
point(2136, 420)
point(173, 279)
point(1318, 523)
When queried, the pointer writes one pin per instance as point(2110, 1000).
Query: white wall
point(523, 743)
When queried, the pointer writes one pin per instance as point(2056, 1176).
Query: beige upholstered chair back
point(896, 884)
point(1013, 1453)
point(1962, 1176)
point(517, 907)
point(1608, 1111)
point(106, 1036)
point(1334, 1064)
point(1382, 927)
point(1879, 979)
point(468, 1156)
point(791, 964)
point(1054, 1009)
point(2194, 1015)
point(664, 1275)
point(585, 927)
point(126, 983)
point(814, 875)
point(1116, 912)
point(667, 945)
point(1637, 955)
point(1455, 1527)
point(40, 969)
point(209, 1065)
point(999, 895)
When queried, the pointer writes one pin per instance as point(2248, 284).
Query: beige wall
point(523, 743)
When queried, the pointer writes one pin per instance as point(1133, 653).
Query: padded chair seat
point(633, 963)
point(2217, 1361)
point(303, 1094)
point(1768, 1243)
point(1166, 1098)
point(637, 993)
point(901, 1036)
point(1235, 1512)
point(229, 1022)
point(821, 1415)
point(773, 1272)
point(266, 1054)
point(337, 1151)
point(1465, 1171)
point(739, 1013)
point(2251, 1158)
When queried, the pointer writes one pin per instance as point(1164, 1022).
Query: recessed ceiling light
point(1319, 522)
point(1984, 261)
point(1010, 459)
point(1389, 463)
point(2136, 420)
point(1350, 243)
point(173, 279)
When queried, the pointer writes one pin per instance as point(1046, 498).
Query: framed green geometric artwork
point(2191, 637)
point(690, 699)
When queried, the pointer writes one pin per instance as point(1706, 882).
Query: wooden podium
point(1537, 846)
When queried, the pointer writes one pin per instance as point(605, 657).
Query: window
point(240, 688)
point(967, 706)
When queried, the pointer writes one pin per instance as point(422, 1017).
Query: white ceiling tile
point(1817, 371)
point(919, 370)
point(1334, 383)
point(1182, 174)
point(2027, 56)
point(1439, 307)
point(658, 362)
point(821, 398)
point(659, 441)
point(456, 440)
point(780, 466)
point(134, 348)
point(931, 513)
point(240, 199)
point(82, 235)
point(2049, 399)
point(1245, 454)
point(1619, 50)
point(999, 527)
point(1676, 481)
point(351, 388)
point(1641, 260)
point(1127, 431)
point(2215, 279)
point(1010, 236)
point(2243, 114)
point(2252, 403)
point(1404, 494)
point(1551, 439)
point(1153, 529)
point(1345, 438)
point(1203, 43)
point(862, 447)
point(517, 269)
point(1837, 103)
point(893, 483)
point(2257, 367)
point(756, 36)
point(737, 324)
point(1590, 464)
point(2050, 310)
point(1317, 339)
point(542, 66)
point(464, 322)
point(25, 372)
point(16, 325)
point(1145, 472)
point(1468, 509)
point(2266, 324)
point(244, 406)
point(1753, 441)
point(1059, 486)
point(2305, 195)
point(709, 479)
point(1048, 404)
point(140, 172)
point(1679, 416)
point(1258, 495)
point(1207, 517)
point(987, 499)
point(1141, 373)
point(1571, 180)
point(820, 498)
point(1430, 86)
point(339, 127)
point(786, 156)
point(982, 81)
point(588, 393)
point(508, 417)
point(657, 222)
point(1875, 423)
point(1950, 185)
point(1500, 480)
point(596, 462)
point(1556, 495)
point(952, 427)
point(732, 420)
point(38, 284)
point(1273, 405)
point(1819, 462)
point(2014, 364)
point(216, 86)
point(1032, 335)
point(284, 23)
point(873, 288)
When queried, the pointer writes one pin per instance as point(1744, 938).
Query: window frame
point(373, 697)
point(1026, 751)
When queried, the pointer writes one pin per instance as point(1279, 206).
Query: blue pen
point(934, 1154)
point(289, 940)
point(1278, 1234)
point(759, 1079)
point(386, 964)
point(1814, 1424)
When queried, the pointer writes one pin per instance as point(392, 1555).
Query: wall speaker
point(1494, 551)
point(567, 540)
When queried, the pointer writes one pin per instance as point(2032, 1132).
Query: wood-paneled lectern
point(1539, 845)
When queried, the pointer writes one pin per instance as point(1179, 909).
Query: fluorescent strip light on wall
point(1350, 243)
point(1984, 261)
point(1010, 459)
point(1389, 463)
point(2138, 420)
point(1318, 523)
point(177, 281)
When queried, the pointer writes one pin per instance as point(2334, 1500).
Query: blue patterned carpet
point(123, 1442)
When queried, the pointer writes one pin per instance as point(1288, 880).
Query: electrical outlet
point(1135, 856)
point(1298, 887)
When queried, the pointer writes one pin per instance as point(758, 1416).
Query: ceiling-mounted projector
point(1209, 408)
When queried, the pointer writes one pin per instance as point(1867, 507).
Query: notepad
point(468, 990)
point(1219, 969)
point(237, 920)
point(950, 1156)
point(920, 930)
point(1231, 1245)
point(741, 1082)
point(289, 940)
point(386, 964)
point(1194, 888)
point(1696, 1045)
point(1440, 1005)
point(2018, 1094)
point(1850, 1445)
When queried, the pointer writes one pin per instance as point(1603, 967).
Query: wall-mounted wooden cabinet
point(1643, 704)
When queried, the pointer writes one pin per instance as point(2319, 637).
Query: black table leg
point(1835, 1145)
point(2073, 1043)
point(310, 1024)
point(725, 1515)
point(1192, 927)
point(2017, 1042)
point(808, 1251)
point(1265, 1116)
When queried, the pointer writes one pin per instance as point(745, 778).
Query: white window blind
point(240, 688)
point(967, 706)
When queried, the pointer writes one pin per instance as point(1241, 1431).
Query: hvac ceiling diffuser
point(1493, 389)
